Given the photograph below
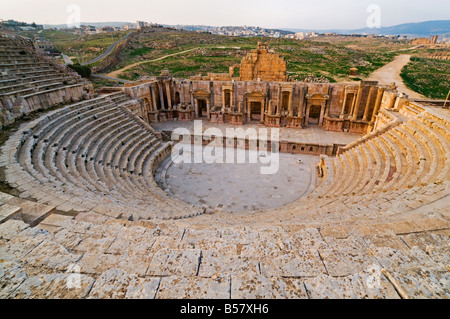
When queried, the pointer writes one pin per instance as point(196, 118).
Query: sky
point(302, 14)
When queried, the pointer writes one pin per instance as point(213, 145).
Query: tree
point(82, 70)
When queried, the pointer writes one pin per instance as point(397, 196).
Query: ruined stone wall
point(264, 65)
point(271, 91)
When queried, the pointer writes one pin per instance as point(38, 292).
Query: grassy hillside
point(321, 57)
point(429, 77)
point(85, 47)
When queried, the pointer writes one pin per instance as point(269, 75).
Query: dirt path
point(115, 74)
point(391, 73)
point(108, 51)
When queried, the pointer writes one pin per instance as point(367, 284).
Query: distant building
point(108, 29)
point(143, 24)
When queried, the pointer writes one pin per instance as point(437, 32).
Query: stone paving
point(88, 257)
point(91, 222)
point(312, 134)
point(235, 187)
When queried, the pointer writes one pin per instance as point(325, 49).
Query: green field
point(83, 48)
point(321, 57)
point(429, 77)
point(325, 58)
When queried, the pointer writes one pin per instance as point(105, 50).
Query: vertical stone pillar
point(328, 102)
point(223, 100)
point(191, 92)
point(169, 97)
point(155, 107)
point(240, 107)
point(280, 100)
point(263, 107)
point(376, 108)
point(369, 99)
point(208, 105)
point(196, 108)
point(161, 96)
point(341, 116)
point(322, 113)
point(290, 108)
point(357, 103)
point(308, 107)
point(302, 110)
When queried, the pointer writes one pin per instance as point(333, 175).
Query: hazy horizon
point(281, 14)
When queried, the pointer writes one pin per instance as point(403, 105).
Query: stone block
point(8, 212)
point(180, 287)
point(167, 262)
point(118, 284)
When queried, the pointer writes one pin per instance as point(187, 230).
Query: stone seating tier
point(60, 151)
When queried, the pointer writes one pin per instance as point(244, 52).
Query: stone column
point(263, 106)
point(290, 109)
point(169, 97)
point(369, 99)
point(308, 107)
point(341, 116)
point(322, 112)
point(249, 111)
point(302, 110)
point(196, 108)
point(328, 102)
point(376, 108)
point(155, 107)
point(353, 106)
point(191, 92)
point(161, 96)
point(280, 101)
point(223, 100)
point(358, 101)
point(208, 102)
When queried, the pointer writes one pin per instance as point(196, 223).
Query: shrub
point(82, 70)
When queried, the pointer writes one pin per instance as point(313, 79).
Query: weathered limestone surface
point(264, 65)
point(39, 264)
point(376, 226)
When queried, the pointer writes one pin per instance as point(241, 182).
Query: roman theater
point(94, 204)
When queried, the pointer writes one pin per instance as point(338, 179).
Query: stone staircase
point(91, 222)
point(30, 81)
point(92, 155)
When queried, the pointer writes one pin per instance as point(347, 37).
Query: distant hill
point(96, 24)
point(419, 29)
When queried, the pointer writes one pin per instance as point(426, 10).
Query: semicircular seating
point(93, 155)
point(29, 81)
point(382, 204)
